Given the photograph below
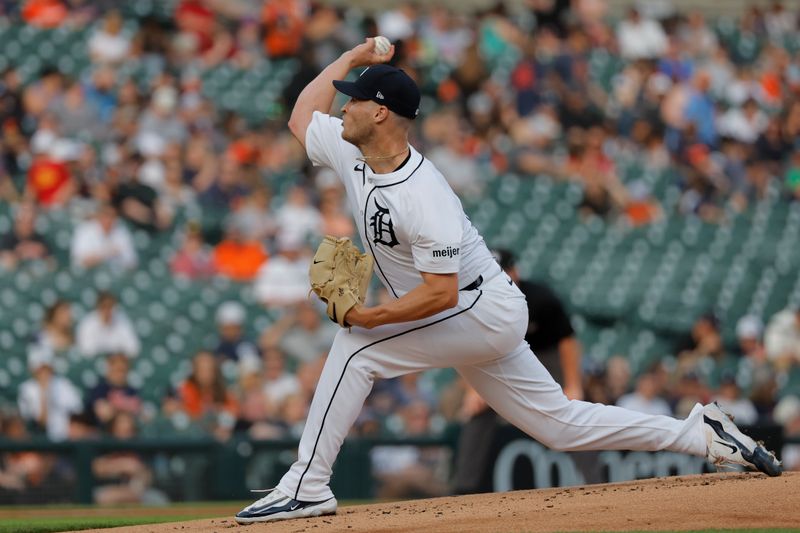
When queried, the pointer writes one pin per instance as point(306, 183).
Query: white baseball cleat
point(727, 445)
point(278, 506)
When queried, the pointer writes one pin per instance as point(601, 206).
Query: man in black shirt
point(550, 332)
point(137, 202)
point(113, 395)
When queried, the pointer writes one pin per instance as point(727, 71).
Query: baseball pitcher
point(452, 305)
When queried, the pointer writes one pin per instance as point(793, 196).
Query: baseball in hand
point(382, 45)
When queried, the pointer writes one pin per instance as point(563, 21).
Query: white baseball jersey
point(410, 220)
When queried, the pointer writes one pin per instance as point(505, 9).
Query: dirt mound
point(718, 501)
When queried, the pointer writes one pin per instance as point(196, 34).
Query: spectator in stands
point(700, 111)
point(301, 333)
point(782, 338)
point(193, 260)
point(745, 124)
point(283, 280)
point(308, 374)
point(729, 397)
point(705, 340)
point(641, 38)
point(225, 189)
point(44, 13)
point(161, 119)
point(46, 400)
point(771, 147)
point(278, 383)
point(594, 384)
point(297, 219)
point(749, 330)
point(109, 44)
point(646, 398)
point(237, 257)
point(195, 20)
point(57, 331)
point(103, 240)
point(254, 404)
point(787, 414)
point(460, 169)
point(126, 113)
point(107, 329)
point(254, 216)
point(641, 207)
point(388, 396)
point(779, 21)
point(49, 183)
point(113, 395)
point(688, 390)
point(617, 377)
point(697, 37)
point(284, 23)
point(292, 415)
point(410, 471)
point(77, 117)
point(37, 96)
point(137, 201)
point(123, 476)
point(11, 109)
point(233, 345)
point(23, 244)
point(603, 192)
point(24, 474)
point(204, 396)
point(175, 195)
point(101, 93)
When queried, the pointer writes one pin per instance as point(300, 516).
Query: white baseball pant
point(482, 338)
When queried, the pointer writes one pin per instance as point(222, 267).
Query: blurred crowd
point(509, 89)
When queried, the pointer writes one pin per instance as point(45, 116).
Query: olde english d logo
point(382, 227)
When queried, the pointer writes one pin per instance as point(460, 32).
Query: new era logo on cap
point(379, 95)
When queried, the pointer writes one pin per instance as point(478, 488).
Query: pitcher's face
point(357, 120)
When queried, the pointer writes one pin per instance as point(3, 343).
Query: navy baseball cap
point(385, 85)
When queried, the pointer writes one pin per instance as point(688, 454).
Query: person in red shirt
point(205, 397)
point(204, 391)
point(284, 24)
point(49, 182)
point(237, 257)
point(193, 260)
point(44, 13)
point(195, 18)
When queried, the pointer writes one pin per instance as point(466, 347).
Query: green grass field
point(51, 525)
point(53, 518)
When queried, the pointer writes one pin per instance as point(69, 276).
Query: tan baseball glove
point(340, 275)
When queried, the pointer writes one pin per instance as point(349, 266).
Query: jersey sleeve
point(436, 237)
point(324, 143)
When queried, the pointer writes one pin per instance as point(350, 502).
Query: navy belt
point(474, 285)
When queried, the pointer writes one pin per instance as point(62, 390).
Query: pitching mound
point(718, 501)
